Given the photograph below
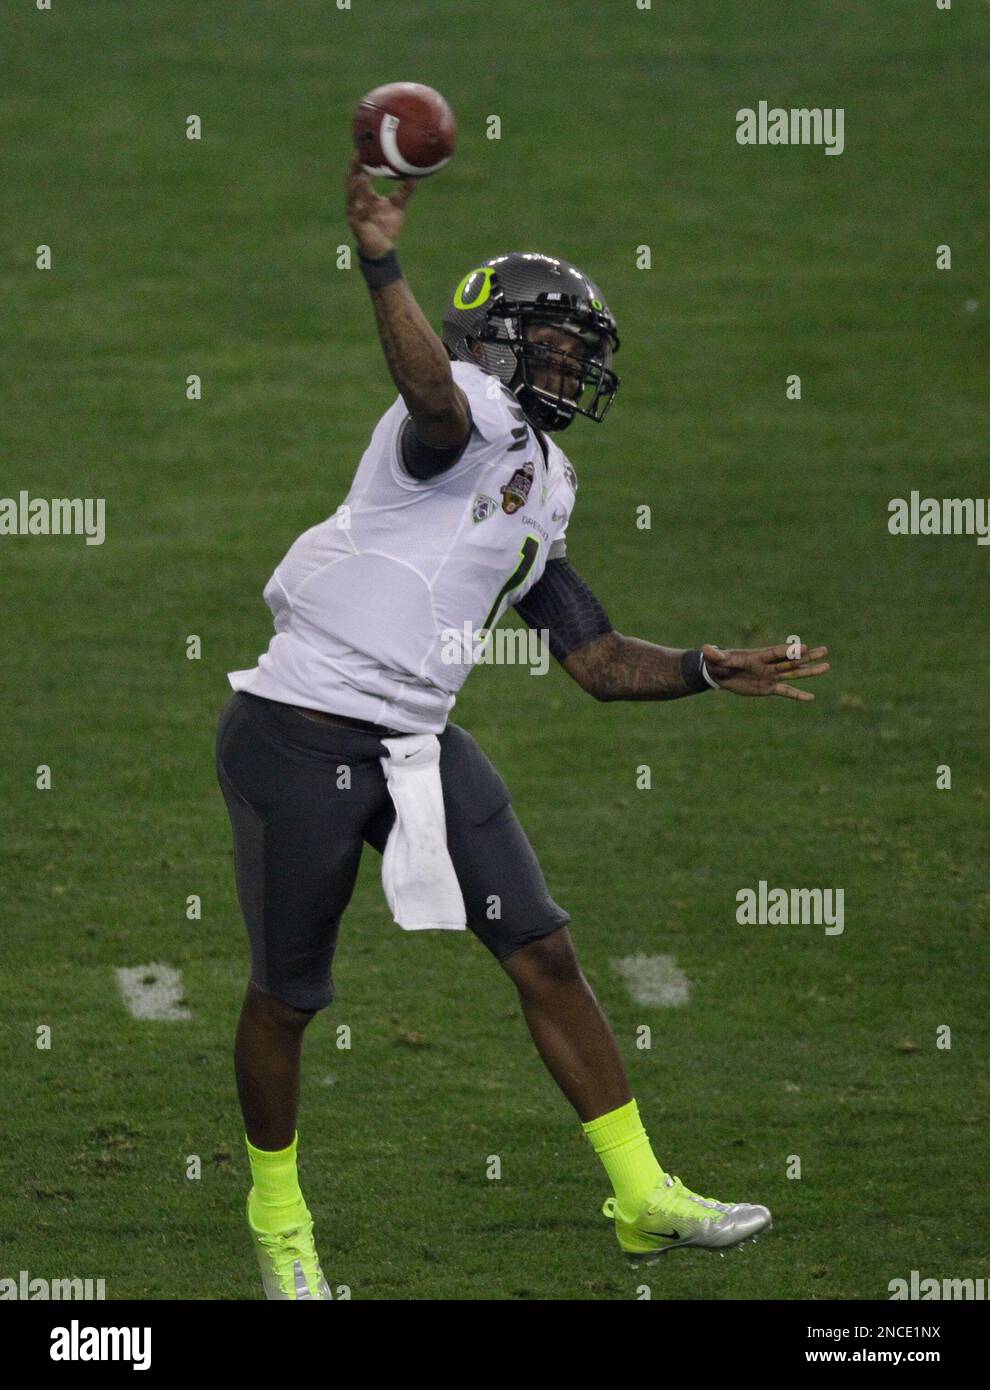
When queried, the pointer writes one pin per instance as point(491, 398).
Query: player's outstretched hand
point(765, 671)
point(376, 222)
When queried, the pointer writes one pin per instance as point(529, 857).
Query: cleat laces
point(283, 1248)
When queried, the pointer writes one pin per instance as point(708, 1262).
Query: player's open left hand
point(765, 671)
point(376, 222)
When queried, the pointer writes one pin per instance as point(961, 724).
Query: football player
point(459, 509)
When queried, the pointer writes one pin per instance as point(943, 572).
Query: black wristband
point(380, 271)
point(691, 672)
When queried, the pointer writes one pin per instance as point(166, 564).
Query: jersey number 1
point(528, 552)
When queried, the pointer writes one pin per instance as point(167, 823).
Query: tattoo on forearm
point(415, 355)
point(626, 668)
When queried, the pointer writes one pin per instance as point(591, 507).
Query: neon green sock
point(276, 1201)
point(621, 1142)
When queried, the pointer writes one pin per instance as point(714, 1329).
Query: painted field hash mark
point(653, 980)
point(153, 991)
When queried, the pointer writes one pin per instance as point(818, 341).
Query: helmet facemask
point(551, 382)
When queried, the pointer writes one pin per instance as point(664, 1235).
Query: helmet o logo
point(596, 304)
point(487, 271)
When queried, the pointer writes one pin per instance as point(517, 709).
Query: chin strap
point(541, 413)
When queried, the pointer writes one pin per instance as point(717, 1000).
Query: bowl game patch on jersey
point(516, 490)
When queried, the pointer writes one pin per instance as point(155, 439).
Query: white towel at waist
point(417, 874)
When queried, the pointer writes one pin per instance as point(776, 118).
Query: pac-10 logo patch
point(483, 507)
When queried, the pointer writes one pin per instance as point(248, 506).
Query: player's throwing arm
point(415, 355)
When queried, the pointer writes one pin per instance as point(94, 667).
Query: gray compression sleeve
point(562, 603)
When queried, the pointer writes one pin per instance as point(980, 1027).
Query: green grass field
point(218, 257)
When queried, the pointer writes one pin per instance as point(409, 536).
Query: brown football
point(404, 130)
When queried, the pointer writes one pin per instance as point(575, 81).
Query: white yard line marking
point(153, 991)
point(653, 980)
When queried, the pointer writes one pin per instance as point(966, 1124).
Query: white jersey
point(366, 603)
